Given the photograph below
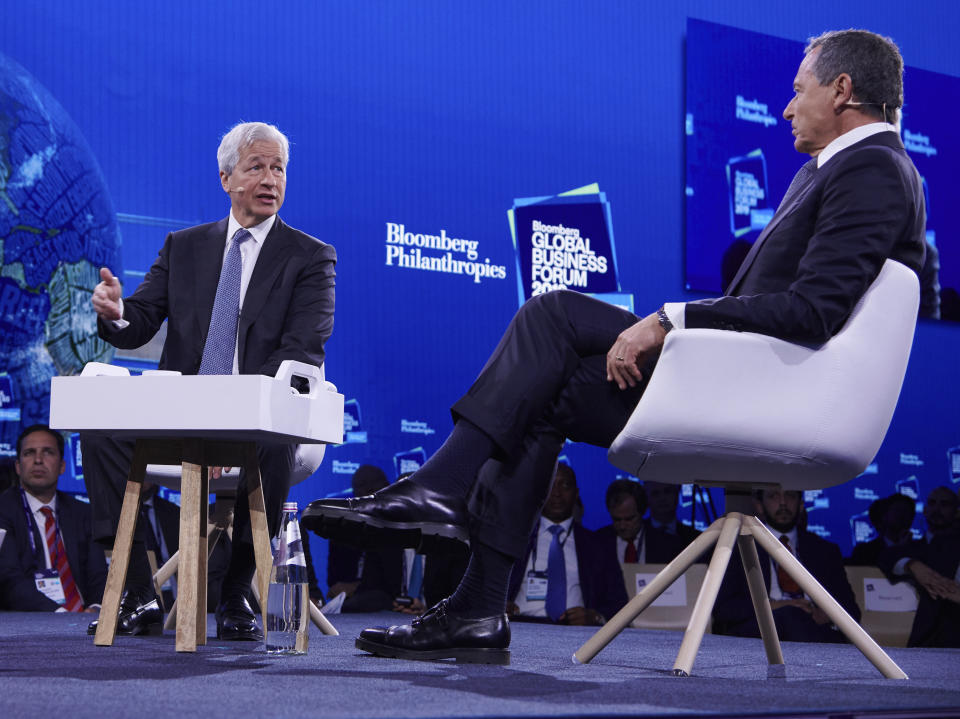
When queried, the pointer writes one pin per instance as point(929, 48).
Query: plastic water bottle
point(287, 618)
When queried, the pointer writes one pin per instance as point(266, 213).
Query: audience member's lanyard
point(32, 525)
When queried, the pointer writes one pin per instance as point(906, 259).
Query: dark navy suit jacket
point(287, 311)
point(824, 247)
point(821, 558)
point(18, 562)
point(661, 547)
point(601, 579)
point(937, 622)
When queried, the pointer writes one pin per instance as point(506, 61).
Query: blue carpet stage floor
point(49, 667)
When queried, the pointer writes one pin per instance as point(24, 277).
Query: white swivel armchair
point(742, 410)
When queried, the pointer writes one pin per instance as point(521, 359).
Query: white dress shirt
point(38, 516)
point(538, 562)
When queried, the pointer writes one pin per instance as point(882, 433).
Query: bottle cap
point(289, 506)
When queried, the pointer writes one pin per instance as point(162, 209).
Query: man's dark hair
point(620, 489)
point(40, 428)
point(872, 61)
point(907, 505)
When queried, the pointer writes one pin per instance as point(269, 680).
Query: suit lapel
point(208, 258)
point(791, 199)
point(270, 262)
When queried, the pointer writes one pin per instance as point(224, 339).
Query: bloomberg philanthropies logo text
point(438, 253)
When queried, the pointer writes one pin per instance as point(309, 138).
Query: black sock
point(453, 468)
point(483, 590)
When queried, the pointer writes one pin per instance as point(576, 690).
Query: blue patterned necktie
point(221, 341)
point(556, 603)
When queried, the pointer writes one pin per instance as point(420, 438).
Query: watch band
point(664, 320)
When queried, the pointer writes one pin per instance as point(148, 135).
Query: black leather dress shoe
point(139, 613)
point(439, 634)
point(405, 514)
point(236, 621)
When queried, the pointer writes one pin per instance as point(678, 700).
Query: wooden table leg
point(120, 561)
point(188, 579)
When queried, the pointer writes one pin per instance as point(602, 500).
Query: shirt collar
point(791, 535)
point(258, 232)
point(35, 504)
point(851, 138)
point(545, 524)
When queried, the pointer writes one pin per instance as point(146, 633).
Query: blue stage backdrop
point(416, 127)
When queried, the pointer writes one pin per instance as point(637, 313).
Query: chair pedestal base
point(744, 530)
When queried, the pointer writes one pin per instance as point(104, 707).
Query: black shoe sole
point(365, 532)
point(460, 655)
point(150, 630)
point(239, 636)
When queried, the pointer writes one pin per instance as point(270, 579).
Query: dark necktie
point(556, 603)
point(630, 554)
point(789, 587)
point(803, 178)
point(58, 560)
point(221, 341)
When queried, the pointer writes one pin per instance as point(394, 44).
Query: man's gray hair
point(872, 61)
point(244, 134)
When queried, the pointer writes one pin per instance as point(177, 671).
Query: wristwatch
point(664, 320)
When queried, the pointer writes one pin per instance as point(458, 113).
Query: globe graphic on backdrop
point(57, 228)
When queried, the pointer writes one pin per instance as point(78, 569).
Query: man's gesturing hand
point(106, 296)
point(631, 350)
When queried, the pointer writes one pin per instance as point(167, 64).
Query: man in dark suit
point(592, 588)
point(569, 366)
point(796, 617)
point(35, 575)
point(892, 517)
point(239, 296)
point(932, 565)
point(631, 538)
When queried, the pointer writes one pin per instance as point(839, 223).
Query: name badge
point(536, 586)
point(48, 582)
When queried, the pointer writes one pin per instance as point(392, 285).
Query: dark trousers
point(545, 382)
point(793, 625)
point(106, 464)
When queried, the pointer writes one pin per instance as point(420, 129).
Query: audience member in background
point(345, 563)
point(796, 617)
point(162, 525)
point(664, 499)
point(392, 579)
point(892, 517)
point(630, 538)
point(940, 513)
point(48, 559)
point(568, 575)
point(932, 565)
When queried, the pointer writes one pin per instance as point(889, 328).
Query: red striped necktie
point(58, 560)
point(630, 554)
